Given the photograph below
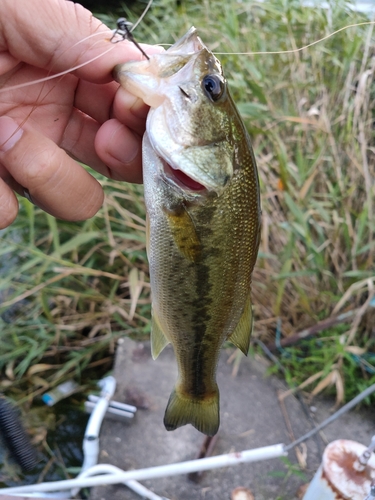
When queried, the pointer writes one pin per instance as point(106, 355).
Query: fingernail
point(123, 146)
point(10, 133)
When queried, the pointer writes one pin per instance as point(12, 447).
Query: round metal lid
point(343, 471)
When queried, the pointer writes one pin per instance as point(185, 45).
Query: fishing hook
point(124, 31)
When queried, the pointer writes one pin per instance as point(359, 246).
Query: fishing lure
point(124, 31)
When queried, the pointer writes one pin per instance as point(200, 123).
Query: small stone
point(241, 493)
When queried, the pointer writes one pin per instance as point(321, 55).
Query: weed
point(70, 290)
point(66, 293)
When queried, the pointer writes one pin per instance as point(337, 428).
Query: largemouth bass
point(203, 207)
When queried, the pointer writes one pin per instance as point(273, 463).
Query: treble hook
point(124, 31)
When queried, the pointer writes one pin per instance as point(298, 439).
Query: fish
point(203, 209)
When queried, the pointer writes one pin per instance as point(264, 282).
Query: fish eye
point(214, 86)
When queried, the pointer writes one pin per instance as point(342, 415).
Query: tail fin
point(203, 414)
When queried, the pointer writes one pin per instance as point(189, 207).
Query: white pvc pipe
point(90, 443)
point(114, 404)
point(108, 386)
point(59, 494)
point(230, 459)
point(142, 491)
point(91, 438)
point(131, 484)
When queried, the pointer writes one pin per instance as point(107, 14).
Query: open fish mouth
point(177, 177)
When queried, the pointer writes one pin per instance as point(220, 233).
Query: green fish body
point(203, 207)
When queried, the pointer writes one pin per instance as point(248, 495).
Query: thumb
point(45, 174)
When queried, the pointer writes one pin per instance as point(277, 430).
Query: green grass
point(71, 290)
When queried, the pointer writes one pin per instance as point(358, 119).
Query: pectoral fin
point(158, 338)
point(184, 234)
point(242, 333)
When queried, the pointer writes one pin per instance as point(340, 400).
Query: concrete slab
point(251, 417)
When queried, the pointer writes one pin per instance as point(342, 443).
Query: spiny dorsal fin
point(242, 333)
point(158, 338)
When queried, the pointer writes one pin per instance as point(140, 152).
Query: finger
point(10, 182)
point(121, 150)
point(112, 149)
point(102, 102)
point(55, 182)
point(7, 62)
point(8, 205)
point(130, 110)
point(95, 100)
point(79, 141)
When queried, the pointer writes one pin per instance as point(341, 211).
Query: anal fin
point(158, 338)
point(242, 333)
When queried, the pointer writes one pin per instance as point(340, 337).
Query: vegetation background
point(68, 291)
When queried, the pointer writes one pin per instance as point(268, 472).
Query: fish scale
point(202, 242)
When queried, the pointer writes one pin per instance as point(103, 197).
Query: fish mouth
point(178, 178)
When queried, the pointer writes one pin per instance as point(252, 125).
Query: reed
point(70, 290)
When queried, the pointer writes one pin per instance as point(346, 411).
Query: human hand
point(82, 115)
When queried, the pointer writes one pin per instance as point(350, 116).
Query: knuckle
point(42, 169)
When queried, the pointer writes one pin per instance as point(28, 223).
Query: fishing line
point(142, 15)
point(290, 51)
point(65, 72)
point(277, 52)
point(41, 98)
point(299, 49)
point(78, 66)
